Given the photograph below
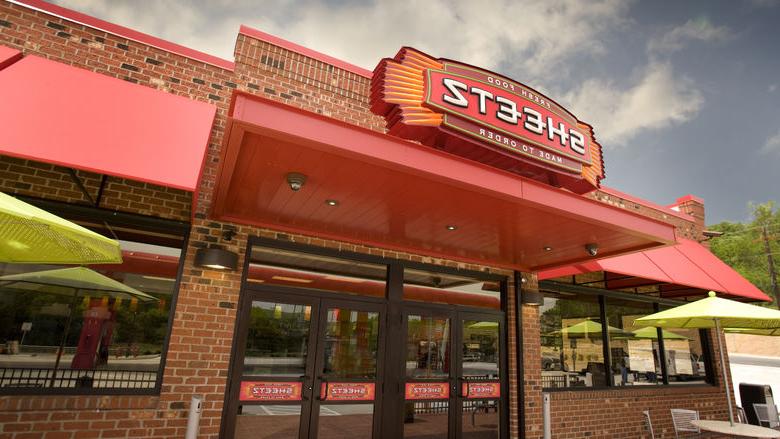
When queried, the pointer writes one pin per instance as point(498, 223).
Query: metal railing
point(27, 377)
point(437, 407)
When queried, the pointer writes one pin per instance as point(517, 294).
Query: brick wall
point(204, 317)
point(44, 180)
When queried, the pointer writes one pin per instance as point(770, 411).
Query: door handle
point(307, 387)
point(460, 393)
point(323, 384)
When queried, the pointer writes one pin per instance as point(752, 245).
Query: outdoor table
point(739, 430)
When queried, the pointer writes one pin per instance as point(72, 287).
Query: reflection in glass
point(267, 421)
point(480, 419)
point(634, 351)
point(685, 362)
point(435, 287)
point(480, 349)
point(85, 327)
point(271, 266)
point(351, 339)
point(277, 339)
point(426, 420)
point(339, 421)
point(427, 347)
point(572, 345)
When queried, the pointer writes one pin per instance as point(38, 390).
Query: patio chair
point(681, 418)
point(649, 423)
point(767, 415)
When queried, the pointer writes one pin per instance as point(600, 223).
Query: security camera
point(592, 249)
point(296, 180)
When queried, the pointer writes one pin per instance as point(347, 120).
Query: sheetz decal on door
point(482, 390)
point(348, 391)
point(270, 391)
point(427, 391)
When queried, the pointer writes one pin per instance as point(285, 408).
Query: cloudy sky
point(684, 95)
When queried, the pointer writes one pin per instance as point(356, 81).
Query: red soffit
point(72, 117)
point(400, 195)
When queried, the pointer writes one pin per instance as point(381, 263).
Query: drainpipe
point(193, 419)
point(546, 416)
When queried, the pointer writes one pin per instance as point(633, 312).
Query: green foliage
point(742, 245)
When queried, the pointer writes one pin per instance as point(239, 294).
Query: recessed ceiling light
point(451, 227)
point(331, 202)
point(547, 248)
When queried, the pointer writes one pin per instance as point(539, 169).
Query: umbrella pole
point(723, 371)
point(64, 336)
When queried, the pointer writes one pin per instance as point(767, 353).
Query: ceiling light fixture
point(332, 203)
point(296, 180)
point(547, 248)
point(451, 227)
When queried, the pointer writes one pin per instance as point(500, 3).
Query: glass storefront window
point(351, 339)
point(437, 287)
point(102, 326)
point(634, 355)
point(572, 345)
point(277, 339)
point(427, 347)
point(273, 266)
point(481, 356)
point(685, 360)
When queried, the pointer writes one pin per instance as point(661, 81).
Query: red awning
point(59, 114)
point(8, 56)
point(395, 194)
point(684, 269)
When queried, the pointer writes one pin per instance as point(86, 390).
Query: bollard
point(546, 416)
point(193, 419)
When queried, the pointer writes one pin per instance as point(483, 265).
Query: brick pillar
point(693, 206)
point(532, 363)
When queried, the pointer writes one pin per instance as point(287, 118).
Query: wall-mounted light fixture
point(532, 298)
point(217, 258)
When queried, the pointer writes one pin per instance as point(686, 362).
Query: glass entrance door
point(480, 386)
point(452, 383)
point(311, 368)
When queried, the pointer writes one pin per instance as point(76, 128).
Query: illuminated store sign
point(485, 117)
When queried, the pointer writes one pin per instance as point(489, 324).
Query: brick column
point(532, 363)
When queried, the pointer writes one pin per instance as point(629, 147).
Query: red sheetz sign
point(270, 391)
point(348, 391)
point(485, 117)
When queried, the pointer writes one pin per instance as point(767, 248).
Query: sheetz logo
point(485, 117)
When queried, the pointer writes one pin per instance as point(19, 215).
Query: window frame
point(141, 223)
point(602, 296)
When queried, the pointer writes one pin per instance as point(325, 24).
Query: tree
point(751, 247)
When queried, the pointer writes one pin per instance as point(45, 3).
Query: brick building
point(346, 294)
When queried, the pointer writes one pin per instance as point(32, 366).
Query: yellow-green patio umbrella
point(651, 333)
point(588, 328)
point(29, 235)
point(67, 280)
point(715, 312)
point(484, 325)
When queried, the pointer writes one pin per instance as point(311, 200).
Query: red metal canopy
point(685, 269)
point(8, 56)
point(400, 195)
point(59, 114)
